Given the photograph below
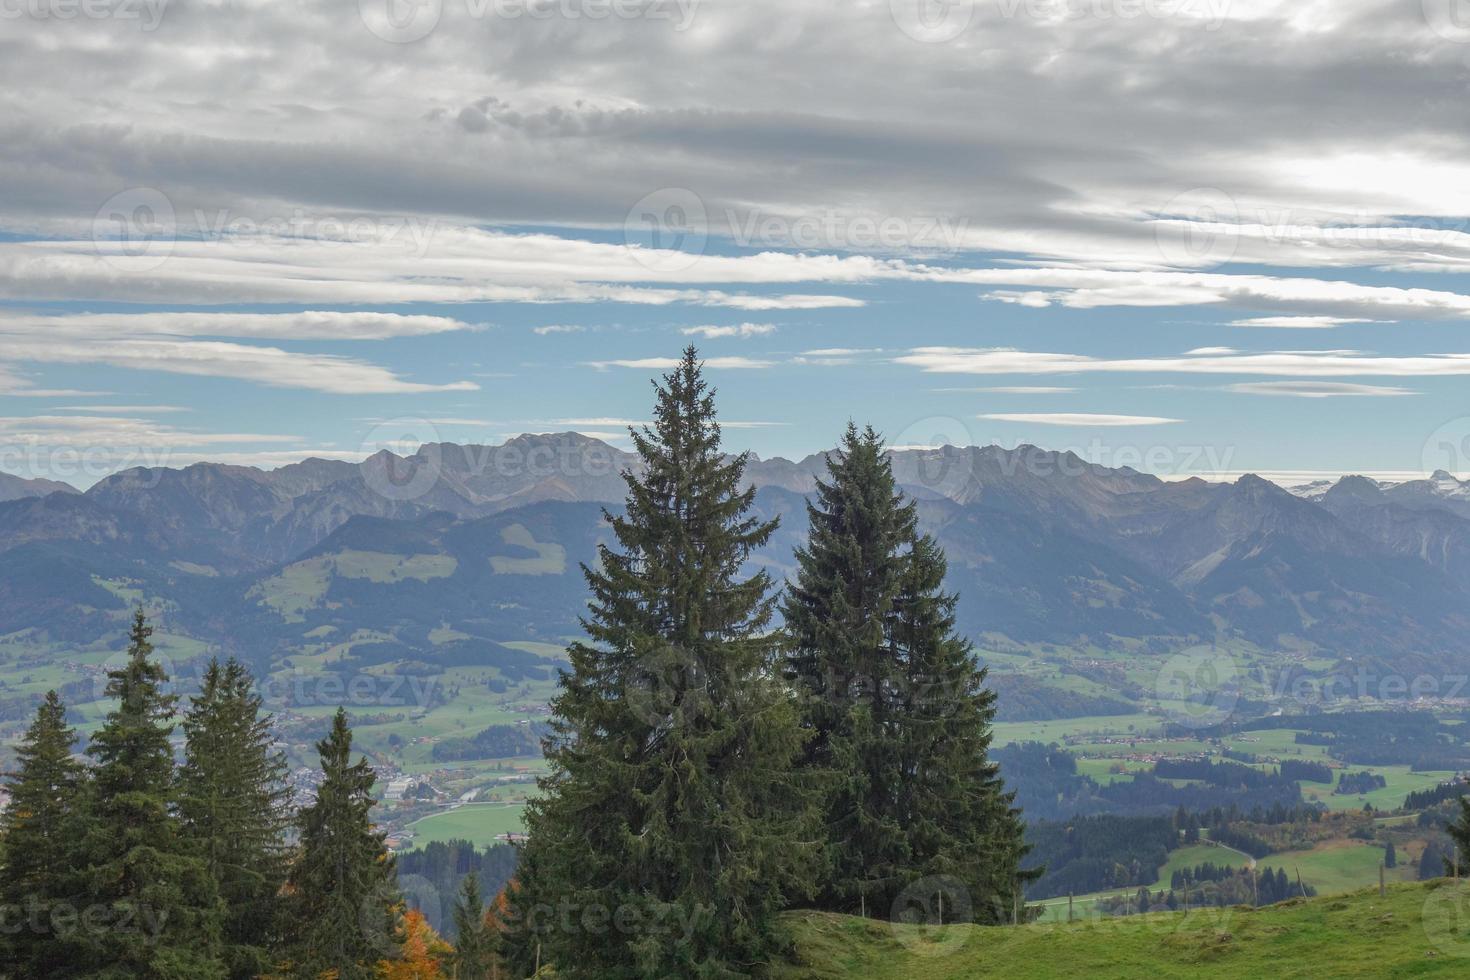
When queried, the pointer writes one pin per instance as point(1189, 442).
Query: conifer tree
point(421, 954)
point(1459, 832)
point(840, 613)
point(38, 835)
point(156, 911)
point(672, 826)
point(960, 819)
point(233, 800)
point(475, 941)
point(898, 709)
point(343, 886)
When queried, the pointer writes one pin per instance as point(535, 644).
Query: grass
point(1415, 931)
point(1337, 866)
point(550, 559)
point(1400, 781)
point(302, 585)
point(1055, 731)
point(474, 822)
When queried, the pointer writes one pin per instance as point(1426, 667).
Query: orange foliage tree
point(423, 951)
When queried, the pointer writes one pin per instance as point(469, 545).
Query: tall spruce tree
point(840, 615)
point(672, 827)
point(475, 941)
point(154, 906)
point(233, 801)
point(38, 848)
point(344, 898)
point(962, 824)
point(898, 710)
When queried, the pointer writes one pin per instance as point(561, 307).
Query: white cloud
point(742, 330)
point(1300, 322)
point(310, 325)
point(124, 409)
point(669, 363)
point(963, 360)
point(555, 328)
point(1318, 389)
point(1077, 418)
point(268, 366)
point(1011, 390)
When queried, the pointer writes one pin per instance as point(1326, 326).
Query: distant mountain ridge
point(1044, 547)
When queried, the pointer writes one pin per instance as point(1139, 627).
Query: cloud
point(124, 409)
point(148, 342)
point(1300, 322)
point(834, 356)
point(963, 360)
point(554, 328)
point(463, 265)
point(1318, 389)
point(669, 363)
point(270, 366)
point(1011, 390)
point(1078, 418)
point(743, 330)
point(309, 325)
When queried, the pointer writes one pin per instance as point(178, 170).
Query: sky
point(1190, 236)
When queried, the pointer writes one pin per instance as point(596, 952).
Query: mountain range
point(431, 554)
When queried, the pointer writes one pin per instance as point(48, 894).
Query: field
point(1338, 865)
point(479, 823)
point(1417, 930)
point(1055, 731)
point(1400, 781)
point(1332, 868)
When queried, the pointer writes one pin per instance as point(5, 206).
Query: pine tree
point(38, 832)
point(1432, 861)
point(475, 941)
point(961, 820)
point(233, 801)
point(1390, 857)
point(343, 886)
point(1459, 832)
point(671, 825)
point(840, 615)
point(899, 711)
point(156, 909)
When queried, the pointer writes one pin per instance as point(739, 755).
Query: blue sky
point(1208, 238)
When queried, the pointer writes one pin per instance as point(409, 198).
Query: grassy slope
point(1417, 931)
point(478, 823)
